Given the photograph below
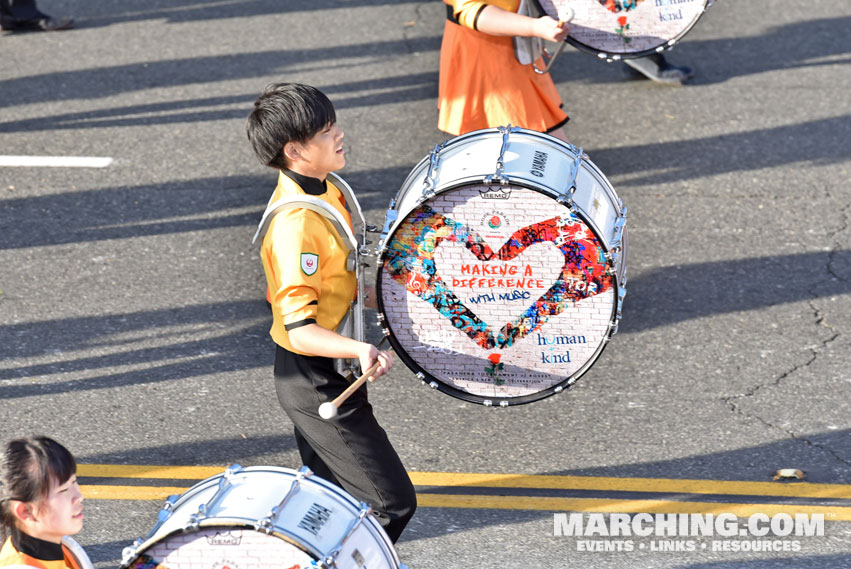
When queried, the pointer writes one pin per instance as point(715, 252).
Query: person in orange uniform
point(482, 84)
point(40, 503)
point(293, 129)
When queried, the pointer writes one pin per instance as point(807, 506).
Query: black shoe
point(656, 68)
point(42, 24)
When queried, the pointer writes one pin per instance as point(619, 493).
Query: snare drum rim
point(497, 401)
point(616, 55)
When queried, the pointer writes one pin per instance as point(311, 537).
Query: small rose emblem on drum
point(624, 27)
point(494, 369)
point(494, 222)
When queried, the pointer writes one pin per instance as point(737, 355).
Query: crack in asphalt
point(819, 320)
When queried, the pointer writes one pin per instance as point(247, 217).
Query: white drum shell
point(250, 495)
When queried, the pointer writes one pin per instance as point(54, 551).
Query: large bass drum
point(263, 517)
point(621, 29)
point(502, 266)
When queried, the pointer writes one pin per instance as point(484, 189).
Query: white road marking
point(56, 161)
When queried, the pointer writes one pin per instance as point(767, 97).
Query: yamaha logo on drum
point(539, 163)
point(495, 194)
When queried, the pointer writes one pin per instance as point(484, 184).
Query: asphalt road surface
point(133, 327)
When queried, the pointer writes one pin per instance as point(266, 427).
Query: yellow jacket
point(305, 263)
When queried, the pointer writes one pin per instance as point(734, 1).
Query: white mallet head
point(328, 410)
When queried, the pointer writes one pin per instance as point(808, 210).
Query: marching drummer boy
point(293, 129)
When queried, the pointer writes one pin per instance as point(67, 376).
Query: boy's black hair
point(286, 112)
point(28, 467)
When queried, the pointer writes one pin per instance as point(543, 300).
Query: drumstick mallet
point(565, 16)
point(328, 410)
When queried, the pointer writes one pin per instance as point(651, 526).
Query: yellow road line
point(96, 492)
point(148, 471)
point(605, 505)
point(540, 481)
point(832, 513)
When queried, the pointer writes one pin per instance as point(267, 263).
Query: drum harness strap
point(351, 325)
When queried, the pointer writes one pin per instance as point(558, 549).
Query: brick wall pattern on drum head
point(627, 26)
point(223, 548)
point(498, 297)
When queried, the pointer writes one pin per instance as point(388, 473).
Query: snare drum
point(502, 266)
point(263, 518)
point(619, 29)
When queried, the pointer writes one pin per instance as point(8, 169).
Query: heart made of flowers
point(410, 261)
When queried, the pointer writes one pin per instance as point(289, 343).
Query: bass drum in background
point(621, 29)
point(502, 266)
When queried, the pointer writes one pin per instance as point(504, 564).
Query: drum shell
point(247, 504)
point(570, 174)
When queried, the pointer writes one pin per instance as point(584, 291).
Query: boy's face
point(320, 155)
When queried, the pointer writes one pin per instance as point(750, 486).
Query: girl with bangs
point(40, 503)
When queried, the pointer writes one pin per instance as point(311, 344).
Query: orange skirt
point(482, 85)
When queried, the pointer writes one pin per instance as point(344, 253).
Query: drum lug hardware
point(165, 513)
point(265, 524)
point(503, 403)
point(224, 484)
point(498, 176)
point(386, 332)
point(331, 559)
point(421, 376)
point(620, 224)
point(380, 318)
point(389, 219)
point(372, 229)
point(428, 181)
point(621, 296)
point(433, 385)
point(487, 403)
point(558, 389)
point(129, 552)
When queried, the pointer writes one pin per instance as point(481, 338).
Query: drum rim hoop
point(495, 401)
point(610, 55)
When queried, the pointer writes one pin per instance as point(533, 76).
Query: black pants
point(351, 450)
point(20, 9)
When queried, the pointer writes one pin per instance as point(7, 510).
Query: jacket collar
point(310, 185)
point(37, 548)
